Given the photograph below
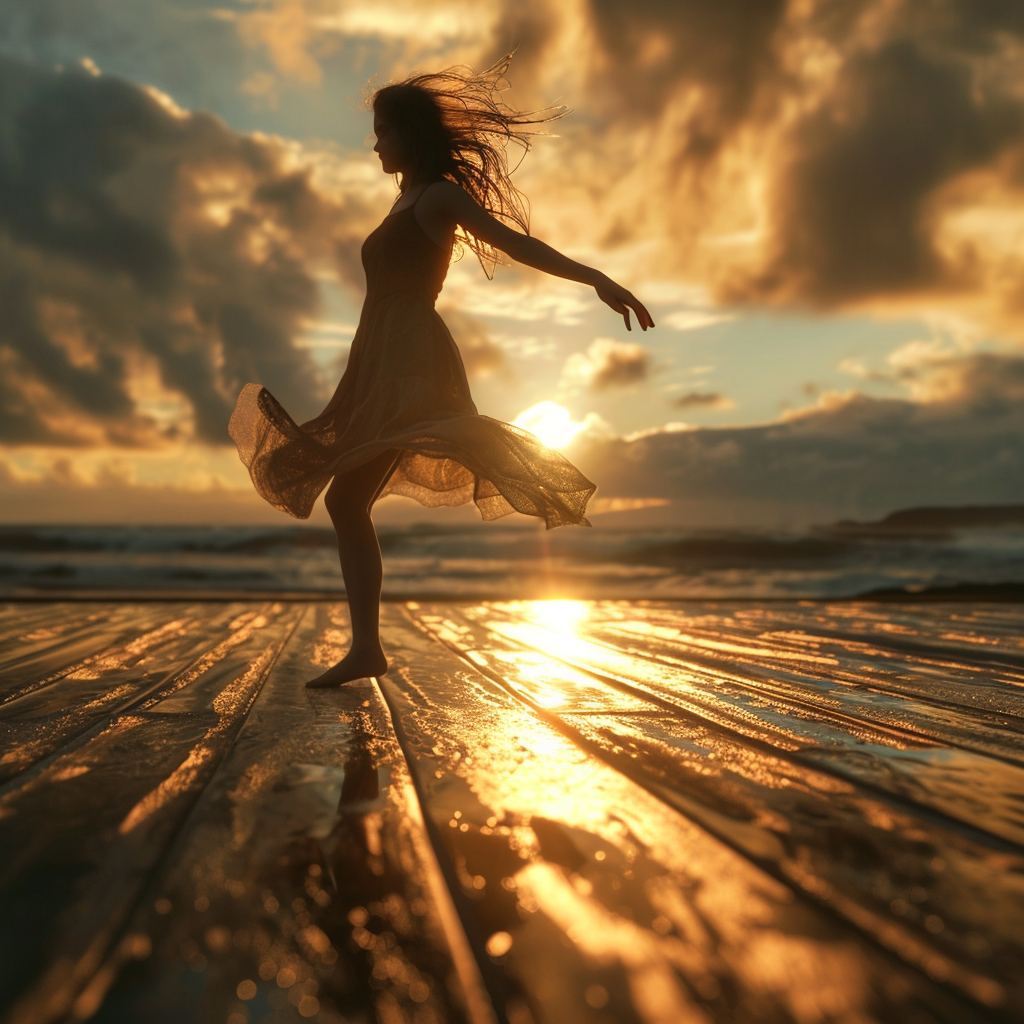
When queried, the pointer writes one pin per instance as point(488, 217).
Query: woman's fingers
point(622, 302)
point(643, 318)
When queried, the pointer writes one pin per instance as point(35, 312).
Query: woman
point(402, 420)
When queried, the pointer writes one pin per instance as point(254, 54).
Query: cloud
point(607, 363)
point(481, 354)
point(849, 455)
point(856, 193)
point(110, 491)
point(603, 506)
point(703, 400)
point(286, 34)
point(149, 255)
point(860, 155)
point(818, 154)
point(866, 153)
point(692, 319)
point(785, 154)
point(652, 51)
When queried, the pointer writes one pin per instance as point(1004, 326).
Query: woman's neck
point(407, 186)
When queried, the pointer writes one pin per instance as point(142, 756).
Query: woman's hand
point(622, 301)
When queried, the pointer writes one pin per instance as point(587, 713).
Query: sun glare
point(550, 423)
point(562, 616)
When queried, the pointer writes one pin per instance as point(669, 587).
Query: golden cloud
point(607, 363)
point(787, 154)
point(847, 455)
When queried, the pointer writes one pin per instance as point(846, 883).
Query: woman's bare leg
point(348, 501)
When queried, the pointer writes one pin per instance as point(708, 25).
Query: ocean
point(497, 561)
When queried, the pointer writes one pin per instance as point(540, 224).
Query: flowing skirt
point(405, 389)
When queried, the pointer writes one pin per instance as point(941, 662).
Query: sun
point(550, 423)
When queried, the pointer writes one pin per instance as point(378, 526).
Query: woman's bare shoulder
point(446, 197)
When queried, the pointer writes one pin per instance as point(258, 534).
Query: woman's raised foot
point(355, 665)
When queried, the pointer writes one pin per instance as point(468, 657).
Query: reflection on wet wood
point(550, 812)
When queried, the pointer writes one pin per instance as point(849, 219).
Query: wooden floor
point(549, 812)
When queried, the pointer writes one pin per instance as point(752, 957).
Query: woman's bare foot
point(355, 665)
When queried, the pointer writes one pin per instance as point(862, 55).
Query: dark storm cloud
point(99, 389)
point(853, 214)
point(852, 455)
point(134, 234)
point(652, 47)
point(528, 27)
point(845, 131)
point(835, 128)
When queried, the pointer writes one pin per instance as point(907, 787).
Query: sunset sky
point(821, 202)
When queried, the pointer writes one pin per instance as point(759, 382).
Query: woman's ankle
point(363, 650)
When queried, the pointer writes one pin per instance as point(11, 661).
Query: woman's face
point(388, 146)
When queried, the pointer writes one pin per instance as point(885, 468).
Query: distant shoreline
point(932, 521)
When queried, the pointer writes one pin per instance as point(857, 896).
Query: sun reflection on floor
point(565, 619)
point(561, 614)
point(545, 684)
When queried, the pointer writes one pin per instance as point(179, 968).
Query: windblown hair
point(458, 128)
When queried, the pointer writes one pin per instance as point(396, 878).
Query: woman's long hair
point(457, 127)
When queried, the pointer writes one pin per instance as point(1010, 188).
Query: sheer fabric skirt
point(405, 389)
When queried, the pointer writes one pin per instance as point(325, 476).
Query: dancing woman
point(402, 420)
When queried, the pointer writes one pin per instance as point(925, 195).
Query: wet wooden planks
point(547, 811)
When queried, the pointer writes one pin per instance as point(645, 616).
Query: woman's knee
point(350, 496)
point(342, 503)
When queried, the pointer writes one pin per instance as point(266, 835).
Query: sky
point(819, 200)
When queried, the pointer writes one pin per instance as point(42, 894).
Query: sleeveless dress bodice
point(399, 256)
point(405, 390)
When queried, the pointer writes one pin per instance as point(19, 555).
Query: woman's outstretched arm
point(445, 204)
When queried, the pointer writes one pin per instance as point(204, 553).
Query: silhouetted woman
point(402, 420)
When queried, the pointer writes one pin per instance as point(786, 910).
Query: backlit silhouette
point(402, 420)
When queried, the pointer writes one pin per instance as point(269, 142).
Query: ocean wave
point(495, 560)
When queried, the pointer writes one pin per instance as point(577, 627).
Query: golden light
point(562, 616)
point(550, 423)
